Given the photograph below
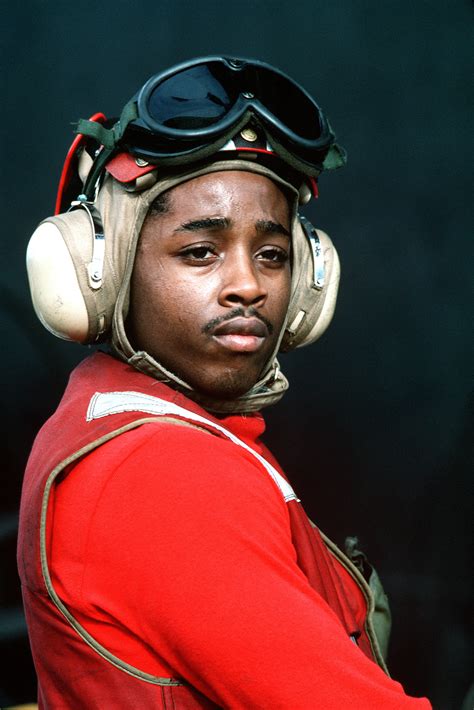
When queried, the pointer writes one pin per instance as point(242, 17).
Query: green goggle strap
point(336, 158)
point(108, 137)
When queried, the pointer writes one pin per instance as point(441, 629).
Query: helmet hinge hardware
point(95, 268)
point(319, 272)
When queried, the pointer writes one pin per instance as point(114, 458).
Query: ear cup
point(57, 260)
point(311, 305)
point(62, 259)
point(54, 285)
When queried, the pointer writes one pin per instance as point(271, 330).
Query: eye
point(274, 256)
point(202, 253)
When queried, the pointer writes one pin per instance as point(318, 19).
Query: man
point(164, 557)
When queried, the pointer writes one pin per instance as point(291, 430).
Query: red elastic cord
point(68, 163)
point(314, 187)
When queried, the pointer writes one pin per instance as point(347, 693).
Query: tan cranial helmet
point(80, 276)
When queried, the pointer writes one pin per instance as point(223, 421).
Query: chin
point(229, 385)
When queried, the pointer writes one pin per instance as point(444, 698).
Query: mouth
point(241, 335)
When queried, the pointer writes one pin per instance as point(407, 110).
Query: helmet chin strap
point(269, 389)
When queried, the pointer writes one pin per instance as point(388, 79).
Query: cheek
point(152, 282)
point(288, 279)
point(172, 304)
point(284, 292)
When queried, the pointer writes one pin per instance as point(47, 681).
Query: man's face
point(211, 281)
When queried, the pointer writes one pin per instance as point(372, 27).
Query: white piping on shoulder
point(104, 404)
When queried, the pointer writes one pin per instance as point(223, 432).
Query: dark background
point(376, 430)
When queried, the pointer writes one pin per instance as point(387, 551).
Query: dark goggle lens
point(192, 99)
point(203, 95)
point(288, 102)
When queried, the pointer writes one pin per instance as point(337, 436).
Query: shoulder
point(162, 486)
point(171, 460)
point(187, 449)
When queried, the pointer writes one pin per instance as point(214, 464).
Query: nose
point(241, 282)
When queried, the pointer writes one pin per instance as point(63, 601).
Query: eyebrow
point(196, 225)
point(267, 226)
point(263, 226)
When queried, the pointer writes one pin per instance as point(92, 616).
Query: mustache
point(238, 312)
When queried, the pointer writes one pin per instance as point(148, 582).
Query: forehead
point(229, 191)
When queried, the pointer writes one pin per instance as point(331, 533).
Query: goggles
point(190, 111)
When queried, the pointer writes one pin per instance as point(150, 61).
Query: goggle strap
point(336, 158)
point(108, 137)
point(96, 172)
point(104, 136)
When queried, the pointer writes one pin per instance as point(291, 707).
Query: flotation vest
point(105, 398)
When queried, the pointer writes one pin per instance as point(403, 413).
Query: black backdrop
point(375, 431)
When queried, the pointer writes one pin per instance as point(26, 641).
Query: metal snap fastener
point(141, 163)
point(249, 135)
point(247, 95)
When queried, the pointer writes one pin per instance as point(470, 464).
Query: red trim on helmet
point(65, 178)
point(249, 150)
point(123, 167)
